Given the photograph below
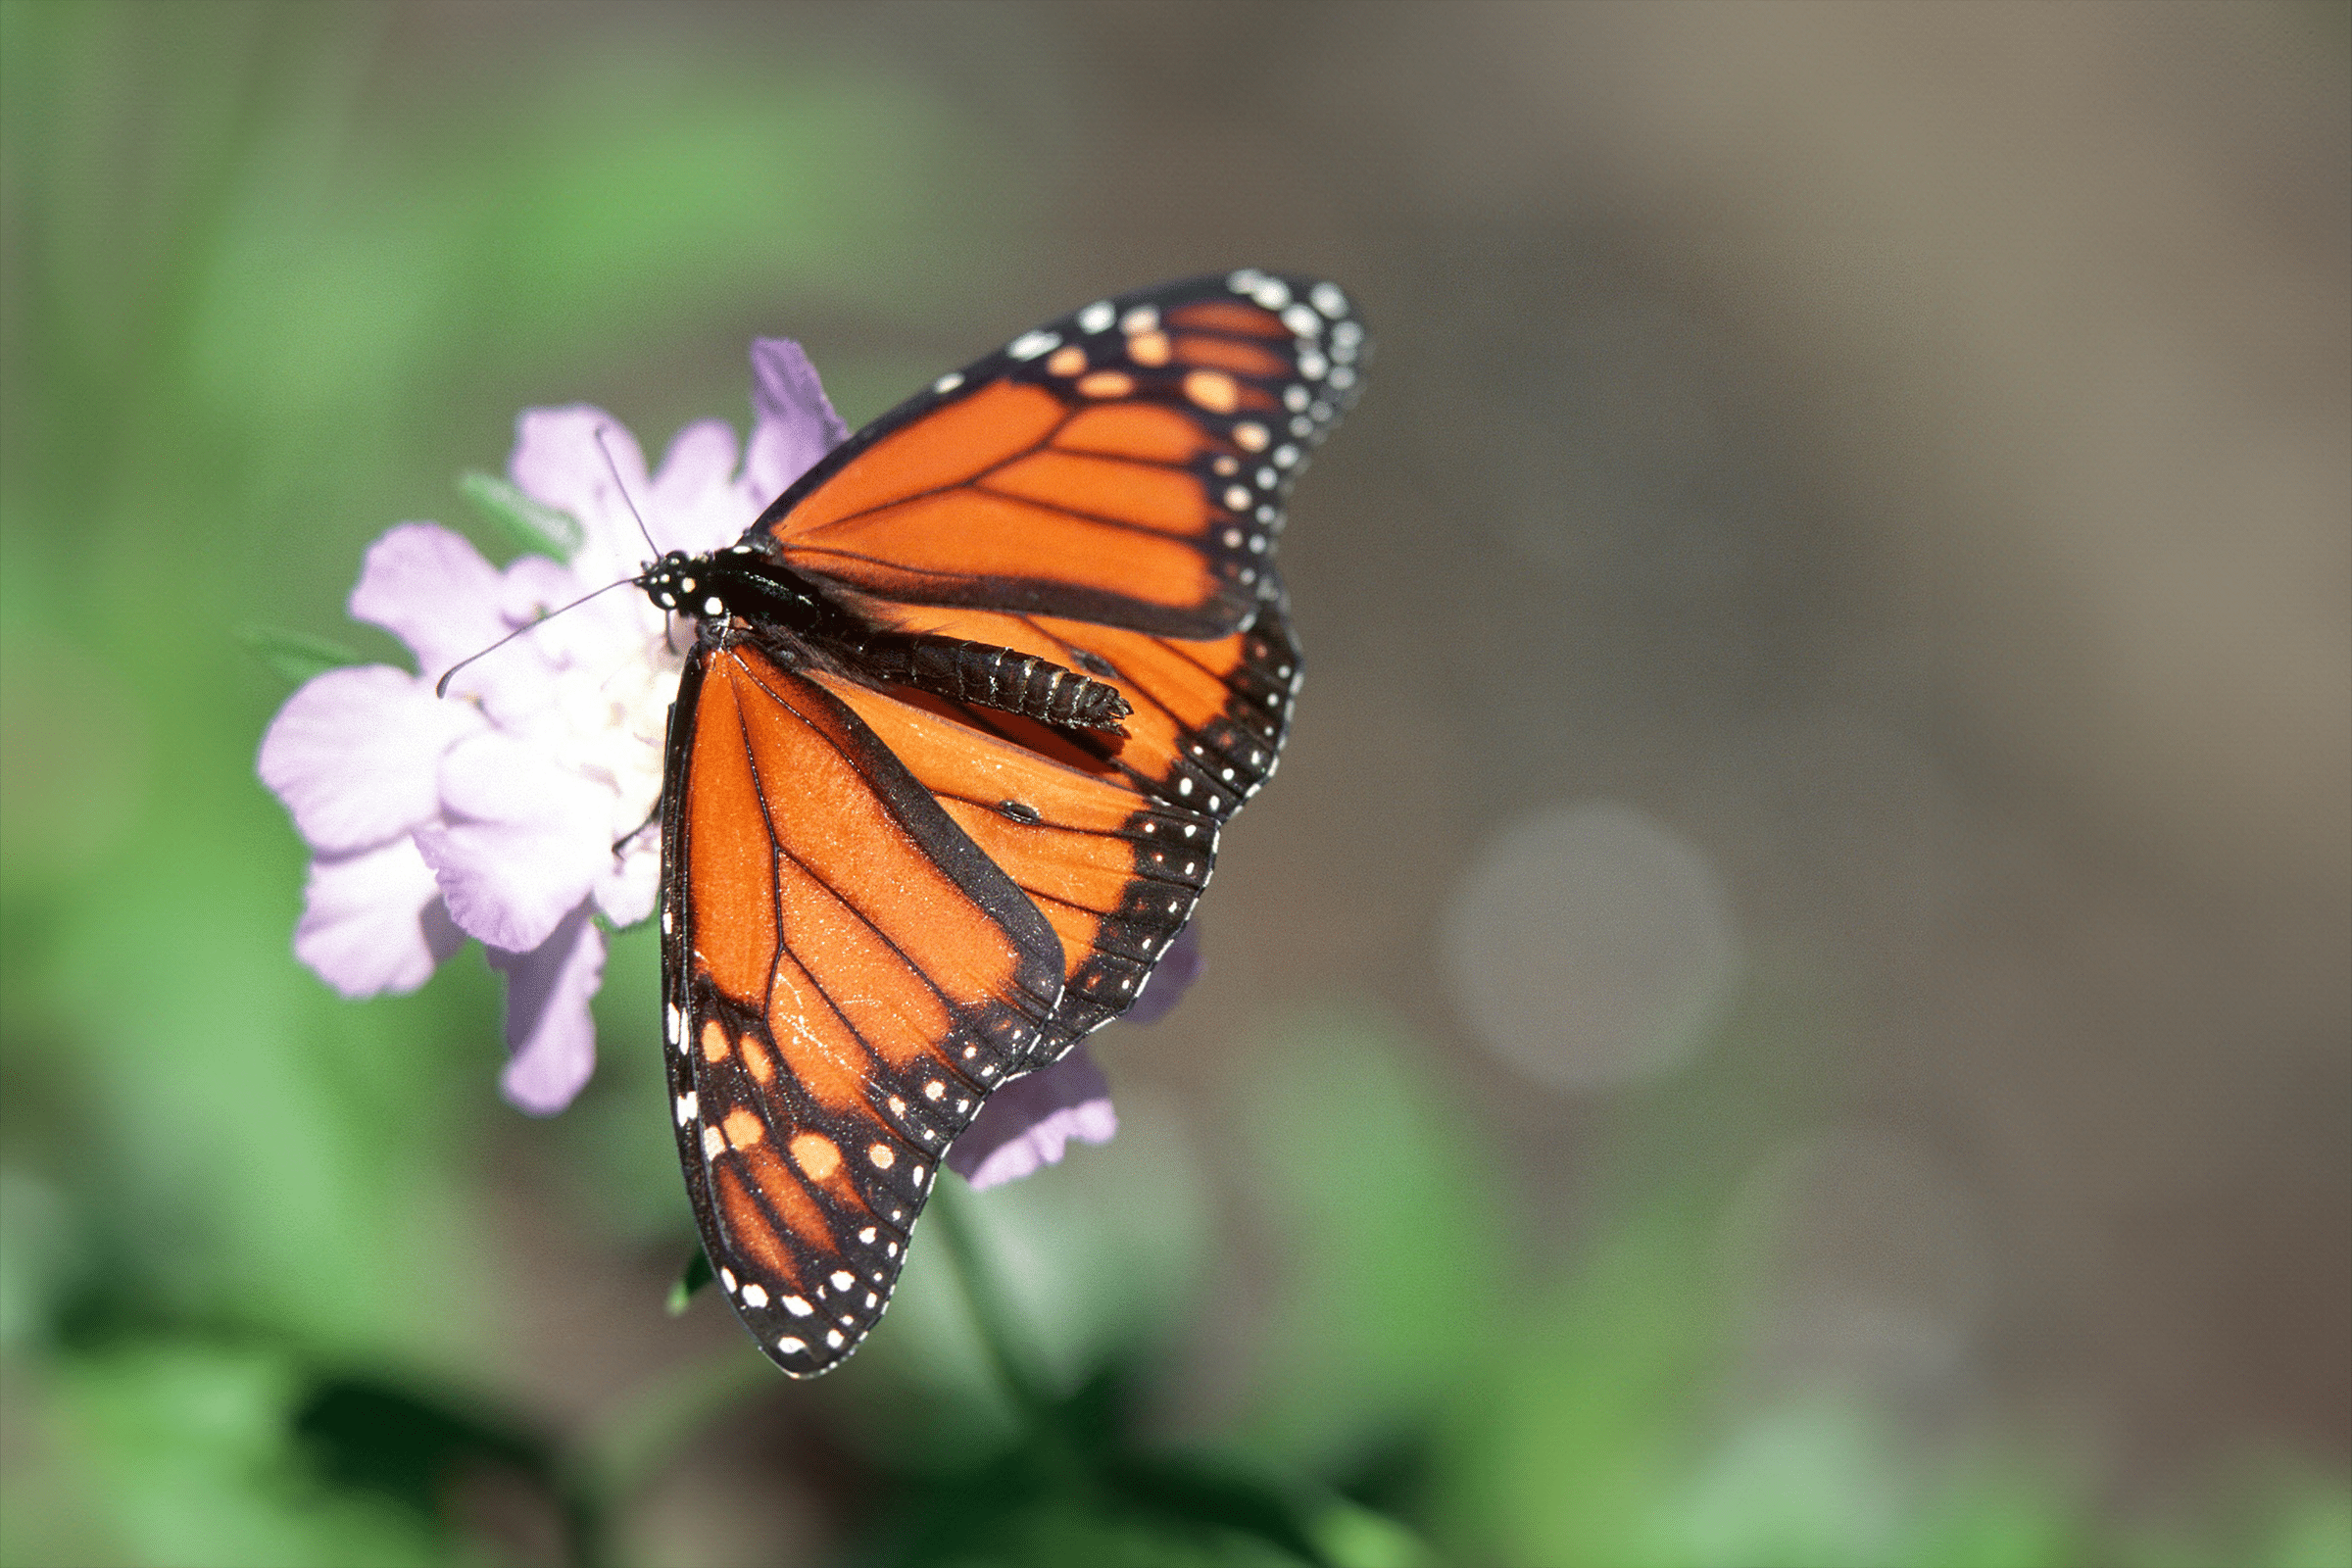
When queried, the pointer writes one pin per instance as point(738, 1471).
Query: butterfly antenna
point(441, 686)
point(617, 484)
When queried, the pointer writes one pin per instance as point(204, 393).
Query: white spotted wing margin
point(1129, 464)
point(846, 977)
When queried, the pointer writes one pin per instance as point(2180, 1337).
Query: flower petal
point(792, 422)
point(1174, 975)
point(560, 461)
point(355, 753)
point(522, 842)
point(697, 502)
point(625, 887)
point(1027, 1123)
point(551, 1036)
point(514, 684)
point(430, 588)
point(374, 922)
point(567, 458)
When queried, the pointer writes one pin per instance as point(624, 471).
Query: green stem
point(983, 1293)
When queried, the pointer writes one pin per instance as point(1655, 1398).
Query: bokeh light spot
point(1589, 946)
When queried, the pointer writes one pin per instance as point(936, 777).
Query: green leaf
point(529, 525)
point(1350, 1536)
point(2309, 1527)
point(296, 656)
point(1571, 1445)
point(41, 1251)
point(184, 1452)
point(691, 1278)
point(1393, 1235)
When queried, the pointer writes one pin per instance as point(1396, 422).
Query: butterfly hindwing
point(846, 978)
point(1117, 873)
point(1127, 465)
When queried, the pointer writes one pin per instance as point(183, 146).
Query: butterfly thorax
point(737, 583)
point(743, 591)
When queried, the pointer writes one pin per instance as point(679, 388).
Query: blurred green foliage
point(253, 1300)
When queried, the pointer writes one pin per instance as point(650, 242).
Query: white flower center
point(611, 719)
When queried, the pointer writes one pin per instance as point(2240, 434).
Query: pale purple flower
point(518, 809)
point(1029, 1122)
point(493, 812)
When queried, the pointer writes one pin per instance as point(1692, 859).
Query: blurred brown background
point(1830, 631)
point(1902, 448)
point(1899, 450)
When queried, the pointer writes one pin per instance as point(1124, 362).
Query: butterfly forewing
point(1127, 465)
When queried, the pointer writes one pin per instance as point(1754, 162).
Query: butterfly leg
point(652, 819)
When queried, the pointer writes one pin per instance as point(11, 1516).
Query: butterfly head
point(740, 581)
point(682, 583)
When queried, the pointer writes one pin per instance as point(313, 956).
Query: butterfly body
point(743, 593)
point(965, 709)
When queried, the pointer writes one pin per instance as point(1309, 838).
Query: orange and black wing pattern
point(879, 902)
point(1127, 465)
point(1112, 838)
point(846, 976)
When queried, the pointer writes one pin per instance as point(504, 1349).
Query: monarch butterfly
point(965, 707)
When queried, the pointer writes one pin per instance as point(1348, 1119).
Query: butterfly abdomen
point(988, 676)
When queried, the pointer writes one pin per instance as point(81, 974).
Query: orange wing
point(1125, 830)
point(846, 977)
point(1127, 465)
